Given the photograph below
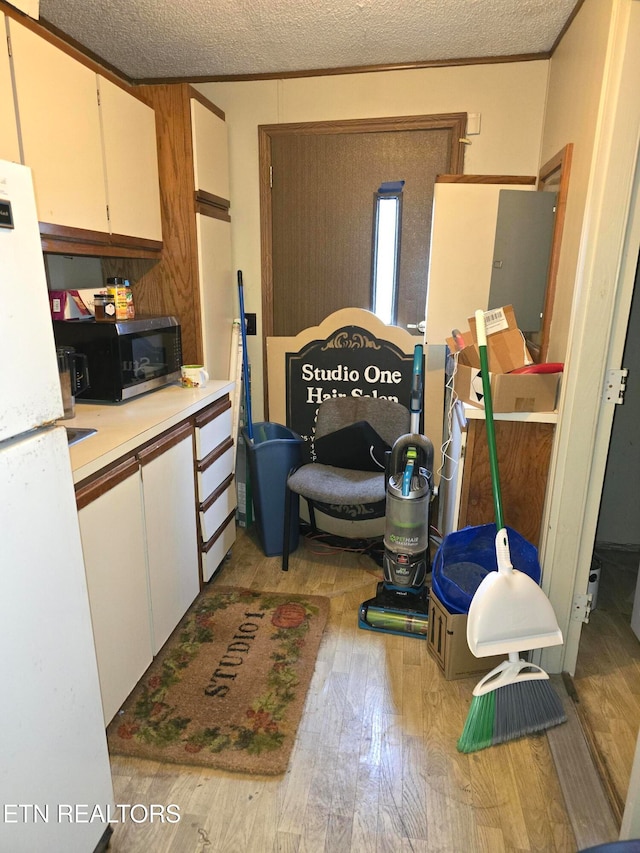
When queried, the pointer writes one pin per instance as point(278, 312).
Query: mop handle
point(488, 410)
point(245, 360)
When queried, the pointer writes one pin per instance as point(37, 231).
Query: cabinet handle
point(166, 441)
point(89, 490)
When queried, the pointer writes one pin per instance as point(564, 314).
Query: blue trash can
point(466, 556)
point(274, 451)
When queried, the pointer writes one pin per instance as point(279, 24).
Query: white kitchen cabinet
point(131, 163)
point(217, 292)
point(60, 130)
point(170, 519)
point(111, 519)
point(210, 151)
point(9, 146)
point(90, 143)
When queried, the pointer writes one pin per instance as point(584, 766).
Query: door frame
point(456, 122)
point(605, 274)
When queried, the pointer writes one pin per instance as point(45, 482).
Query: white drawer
point(213, 433)
point(214, 474)
point(215, 515)
point(212, 558)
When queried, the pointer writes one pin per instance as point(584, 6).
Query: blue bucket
point(465, 557)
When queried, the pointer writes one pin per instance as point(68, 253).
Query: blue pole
point(245, 360)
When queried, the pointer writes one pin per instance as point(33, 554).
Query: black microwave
point(125, 358)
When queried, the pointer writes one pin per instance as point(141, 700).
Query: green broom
point(509, 613)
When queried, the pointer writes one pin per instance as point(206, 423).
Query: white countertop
point(124, 426)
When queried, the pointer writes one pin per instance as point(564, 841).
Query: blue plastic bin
point(275, 450)
point(465, 557)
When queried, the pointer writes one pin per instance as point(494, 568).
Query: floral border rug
point(228, 688)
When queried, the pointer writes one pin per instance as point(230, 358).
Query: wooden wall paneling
point(171, 286)
point(524, 451)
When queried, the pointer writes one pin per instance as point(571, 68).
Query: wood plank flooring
point(607, 679)
point(375, 766)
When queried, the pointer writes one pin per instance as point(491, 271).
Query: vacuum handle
point(424, 448)
point(488, 411)
point(416, 388)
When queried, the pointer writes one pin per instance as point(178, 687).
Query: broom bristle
point(509, 712)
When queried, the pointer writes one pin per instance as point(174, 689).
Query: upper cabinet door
point(60, 128)
point(131, 163)
point(210, 151)
point(9, 148)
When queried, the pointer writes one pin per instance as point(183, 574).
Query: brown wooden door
point(317, 211)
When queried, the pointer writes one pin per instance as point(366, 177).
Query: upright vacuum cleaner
point(401, 603)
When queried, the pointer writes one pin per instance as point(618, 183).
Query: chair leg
point(312, 516)
point(285, 531)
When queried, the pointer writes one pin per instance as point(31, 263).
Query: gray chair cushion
point(344, 493)
point(326, 484)
point(344, 487)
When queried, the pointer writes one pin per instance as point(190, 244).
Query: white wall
point(575, 82)
point(510, 98)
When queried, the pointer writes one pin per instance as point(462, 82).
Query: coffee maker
point(74, 377)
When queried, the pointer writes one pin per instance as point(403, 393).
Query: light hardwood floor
point(375, 766)
point(607, 679)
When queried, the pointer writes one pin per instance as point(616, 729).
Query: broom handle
point(488, 410)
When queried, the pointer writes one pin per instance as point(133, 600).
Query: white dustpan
point(509, 611)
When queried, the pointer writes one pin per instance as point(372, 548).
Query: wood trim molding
point(165, 442)
point(212, 412)
point(198, 96)
point(356, 69)
point(94, 487)
point(208, 545)
point(563, 31)
point(436, 121)
point(142, 243)
point(555, 171)
point(213, 212)
point(65, 240)
point(522, 180)
point(213, 497)
point(209, 198)
point(204, 197)
point(215, 454)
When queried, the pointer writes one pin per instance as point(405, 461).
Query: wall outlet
point(250, 320)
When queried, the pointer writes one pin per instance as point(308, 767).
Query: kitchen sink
point(76, 434)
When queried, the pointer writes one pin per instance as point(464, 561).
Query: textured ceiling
point(212, 38)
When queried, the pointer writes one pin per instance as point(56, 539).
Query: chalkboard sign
point(352, 362)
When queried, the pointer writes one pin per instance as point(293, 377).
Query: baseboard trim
point(586, 794)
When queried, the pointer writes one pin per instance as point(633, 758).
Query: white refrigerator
point(55, 782)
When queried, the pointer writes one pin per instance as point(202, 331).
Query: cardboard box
point(519, 392)
point(447, 642)
point(506, 345)
point(507, 351)
point(67, 305)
